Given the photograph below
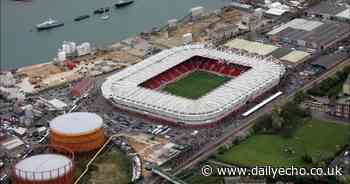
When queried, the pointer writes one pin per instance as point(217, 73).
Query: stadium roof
point(43, 167)
point(123, 88)
point(76, 123)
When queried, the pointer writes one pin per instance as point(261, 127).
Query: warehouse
point(290, 57)
point(330, 10)
point(312, 34)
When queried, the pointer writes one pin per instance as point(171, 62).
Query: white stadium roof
point(76, 123)
point(43, 167)
point(124, 91)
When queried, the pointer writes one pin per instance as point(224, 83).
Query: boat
point(106, 16)
point(81, 17)
point(49, 24)
point(99, 11)
point(123, 3)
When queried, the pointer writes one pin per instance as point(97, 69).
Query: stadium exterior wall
point(169, 122)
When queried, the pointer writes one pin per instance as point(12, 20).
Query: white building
point(123, 90)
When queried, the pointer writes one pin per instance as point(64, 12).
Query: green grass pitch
point(195, 85)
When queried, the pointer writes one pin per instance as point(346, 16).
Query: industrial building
point(289, 57)
point(223, 33)
point(79, 131)
point(331, 10)
point(329, 61)
point(311, 34)
point(45, 168)
point(135, 88)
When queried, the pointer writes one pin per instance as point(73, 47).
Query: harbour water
point(22, 44)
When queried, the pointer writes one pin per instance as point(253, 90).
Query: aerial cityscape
point(175, 92)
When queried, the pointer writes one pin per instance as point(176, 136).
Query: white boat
point(51, 23)
point(105, 17)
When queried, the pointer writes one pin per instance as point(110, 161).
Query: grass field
point(109, 168)
point(317, 138)
point(195, 84)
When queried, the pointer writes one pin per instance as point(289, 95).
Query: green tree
point(299, 97)
point(277, 119)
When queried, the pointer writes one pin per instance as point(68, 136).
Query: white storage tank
point(48, 168)
point(78, 131)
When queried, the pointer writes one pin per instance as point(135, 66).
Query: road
point(211, 148)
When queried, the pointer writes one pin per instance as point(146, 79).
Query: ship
point(107, 15)
point(49, 24)
point(82, 17)
point(122, 3)
point(99, 11)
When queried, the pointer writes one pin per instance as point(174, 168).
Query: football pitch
point(195, 85)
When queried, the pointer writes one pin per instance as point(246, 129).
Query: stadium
point(192, 85)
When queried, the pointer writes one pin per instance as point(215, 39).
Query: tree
point(299, 97)
point(307, 158)
point(263, 123)
point(277, 120)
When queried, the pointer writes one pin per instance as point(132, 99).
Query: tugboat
point(49, 24)
point(82, 17)
point(123, 3)
point(99, 11)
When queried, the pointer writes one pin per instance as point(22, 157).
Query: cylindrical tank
point(45, 168)
point(79, 131)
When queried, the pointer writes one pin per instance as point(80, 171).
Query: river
point(22, 44)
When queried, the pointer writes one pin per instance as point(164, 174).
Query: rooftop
point(43, 167)
point(312, 31)
point(329, 61)
point(252, 47)
point(331, 8)
point(76, 123)
point(295, 56)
